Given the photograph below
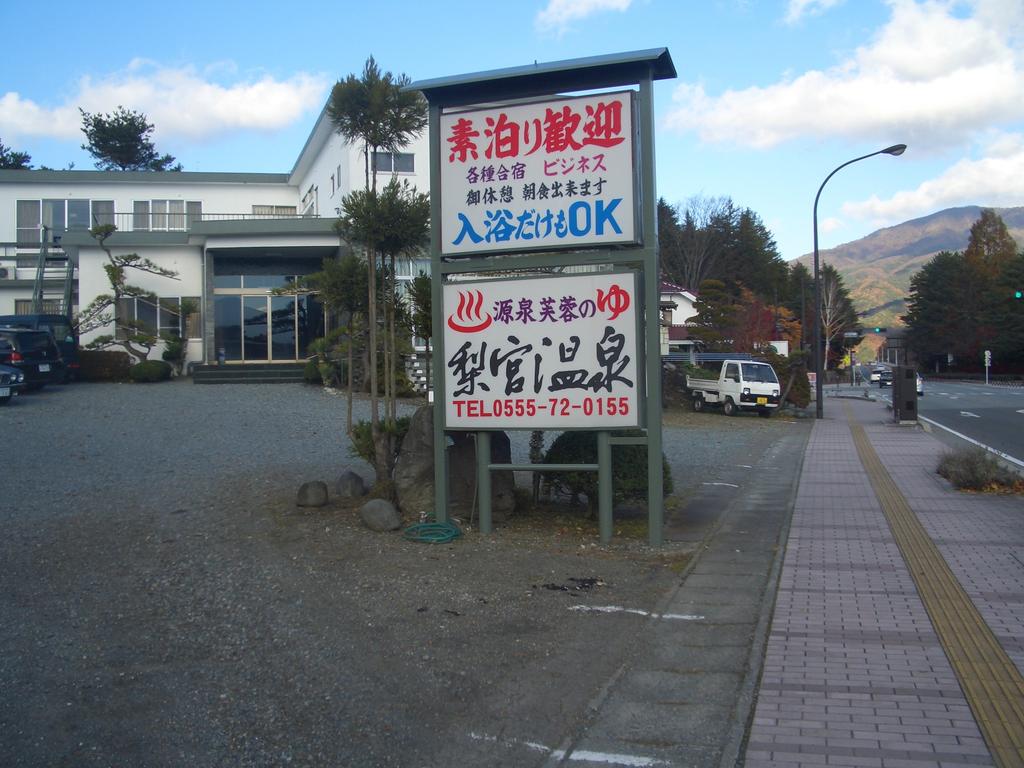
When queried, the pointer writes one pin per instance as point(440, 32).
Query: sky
point(771, 96)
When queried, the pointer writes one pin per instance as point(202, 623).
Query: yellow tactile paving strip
point(991, 682)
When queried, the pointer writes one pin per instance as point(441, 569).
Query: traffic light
point(1018, 294)
point(880, 329)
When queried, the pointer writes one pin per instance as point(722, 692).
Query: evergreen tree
point(120, 141)
point(1006, 314)
point(715, 320)
point(376, 111)
point(933, 317)
point(11, 160)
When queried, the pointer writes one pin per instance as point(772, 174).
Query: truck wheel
point(698, 403)
point(729, 407)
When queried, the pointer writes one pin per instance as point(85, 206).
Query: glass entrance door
point(254, 323)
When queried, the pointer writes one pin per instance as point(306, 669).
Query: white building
point(230, 237)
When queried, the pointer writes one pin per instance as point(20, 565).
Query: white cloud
point(928, 77)
point(558, 14)
point(179, 102)
point(994, 180)
point(830, 224)
point(799, 8)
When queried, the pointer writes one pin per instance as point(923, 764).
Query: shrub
point(103, 365)
point(149, 371)
point(311, 373)
point(975, 469)
point(362, 438)
point(629, 467)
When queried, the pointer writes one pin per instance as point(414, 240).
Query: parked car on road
point(34, 353)
point(63, 333)
point(876, 374)
point(885, 378)
point(12, 381)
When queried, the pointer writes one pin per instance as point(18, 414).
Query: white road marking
point(635, 612)
point(582, 755)
point(970, 415)
point(728, 485)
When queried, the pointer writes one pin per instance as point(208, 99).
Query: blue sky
point(770, 97)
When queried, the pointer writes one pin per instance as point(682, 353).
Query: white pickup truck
point(741, 384)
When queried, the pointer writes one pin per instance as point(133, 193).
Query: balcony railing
point(154, 222)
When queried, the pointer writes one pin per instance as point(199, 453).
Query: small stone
point(312, 494)
point(380, 515)
point(349, 485)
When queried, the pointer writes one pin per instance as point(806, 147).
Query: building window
point(102, 212)
point(274, 210)
point(59, 216)
point(394, 162)
point(165, 215)
point(50, 307)
point(170, 316)
point(309, 205)
point(28, 221)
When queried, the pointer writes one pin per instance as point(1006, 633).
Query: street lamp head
point(896, 150)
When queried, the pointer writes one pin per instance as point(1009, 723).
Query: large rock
point(414, 469)
point(312, 494)
point(380, 515)
point(349, 485)
point(414, 472)
point(462, 478)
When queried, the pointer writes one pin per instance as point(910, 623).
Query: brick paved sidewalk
point(854, 673)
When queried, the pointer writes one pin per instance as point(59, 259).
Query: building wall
point(186, 261)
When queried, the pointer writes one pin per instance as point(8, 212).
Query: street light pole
point(895, 150)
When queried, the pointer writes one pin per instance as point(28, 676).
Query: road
point(990, 415)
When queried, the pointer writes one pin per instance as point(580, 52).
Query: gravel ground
point(164, 605)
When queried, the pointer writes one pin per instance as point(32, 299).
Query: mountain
point(877, 268)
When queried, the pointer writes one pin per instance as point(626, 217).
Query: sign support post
point(596, 211)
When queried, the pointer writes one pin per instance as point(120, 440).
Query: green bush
point(629, 467)
point(149, 371)
point(696, 372)
point(975, 469)
point(311, 373)
point(103, 365)
point(362, 438)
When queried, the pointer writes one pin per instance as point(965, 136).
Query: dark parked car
point(34, 353)
point(63, 333)
point(12, 381)
point(885, 378)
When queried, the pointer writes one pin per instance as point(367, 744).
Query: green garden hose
point(433, 533)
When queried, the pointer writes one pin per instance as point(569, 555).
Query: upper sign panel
point(548, 175)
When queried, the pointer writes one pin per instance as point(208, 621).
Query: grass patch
point(975, 469)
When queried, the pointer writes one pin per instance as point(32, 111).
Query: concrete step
point(249, 373)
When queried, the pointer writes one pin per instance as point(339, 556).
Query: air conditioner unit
point(6, 273)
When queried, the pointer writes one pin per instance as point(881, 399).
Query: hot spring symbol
point(467, 317)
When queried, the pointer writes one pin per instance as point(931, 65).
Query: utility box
point(904, 393)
